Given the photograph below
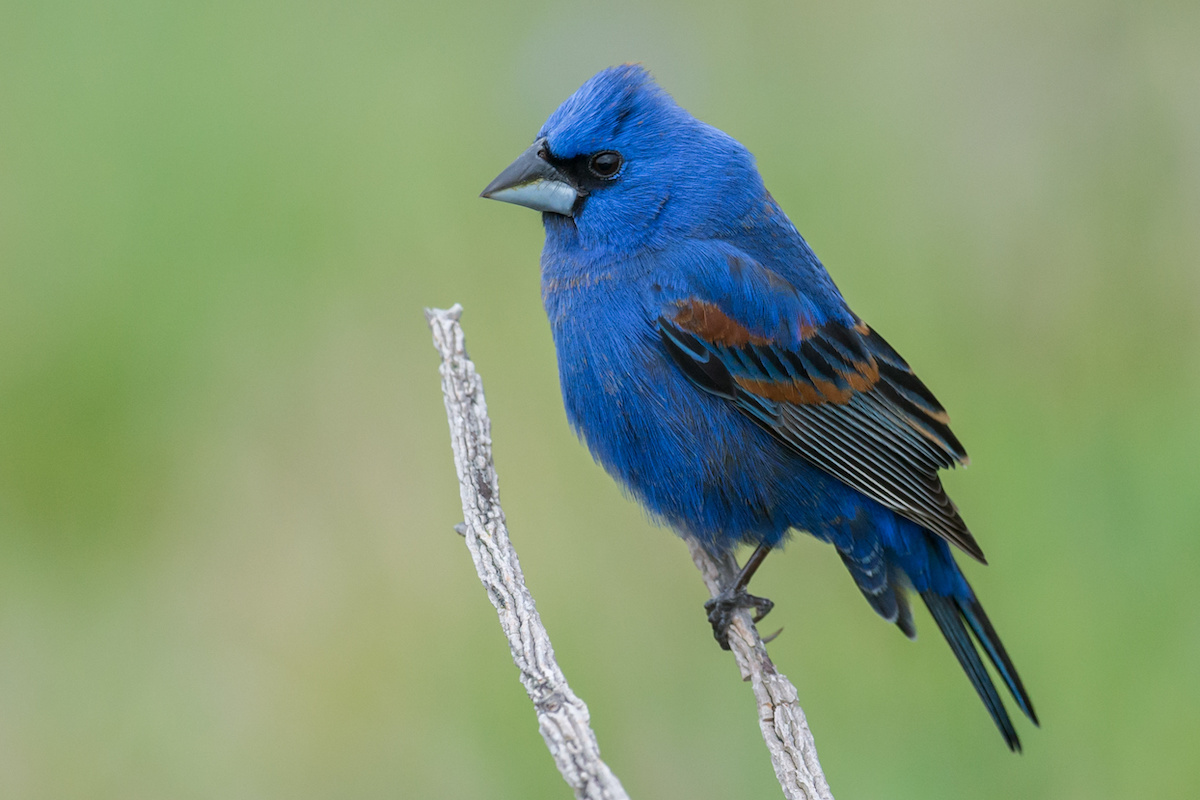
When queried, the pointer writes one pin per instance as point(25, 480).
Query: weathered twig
point(563, 717)
point(780, 717)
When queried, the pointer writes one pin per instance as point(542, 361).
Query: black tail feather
point(981, 626)
point(950, 614)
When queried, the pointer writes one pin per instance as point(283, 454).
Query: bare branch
point(780, 717)
point(563, 717)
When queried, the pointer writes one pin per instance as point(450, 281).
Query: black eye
point(605, 163)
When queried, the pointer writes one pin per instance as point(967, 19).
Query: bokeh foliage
point(226, 563)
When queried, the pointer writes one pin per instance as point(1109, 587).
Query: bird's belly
point(694, 461)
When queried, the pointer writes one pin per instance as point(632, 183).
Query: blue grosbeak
point(712, 367)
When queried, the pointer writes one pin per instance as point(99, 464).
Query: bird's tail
point(954, 615)
point(884, 586)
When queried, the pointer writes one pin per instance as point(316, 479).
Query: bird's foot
point(722, 607)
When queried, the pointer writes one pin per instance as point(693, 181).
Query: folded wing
point(838, 395)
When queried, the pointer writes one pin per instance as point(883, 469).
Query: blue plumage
point(713, 368)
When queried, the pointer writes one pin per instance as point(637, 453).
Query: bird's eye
point(605, 163)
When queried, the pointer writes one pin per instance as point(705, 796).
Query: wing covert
point(840, 396)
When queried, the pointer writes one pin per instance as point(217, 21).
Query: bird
point(712, 367)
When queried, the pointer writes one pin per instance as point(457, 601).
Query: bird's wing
point(833, 391)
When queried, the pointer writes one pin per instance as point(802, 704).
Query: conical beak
point(533, 182)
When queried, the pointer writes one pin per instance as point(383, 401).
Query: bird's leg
point(721, 608)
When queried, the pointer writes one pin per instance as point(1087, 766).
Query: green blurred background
point(227, 568)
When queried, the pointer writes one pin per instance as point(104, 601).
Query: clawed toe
point(721, 610)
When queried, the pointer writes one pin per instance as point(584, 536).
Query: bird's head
point(624, 166)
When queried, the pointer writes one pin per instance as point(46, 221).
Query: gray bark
point(780, 717)
point(562, 717)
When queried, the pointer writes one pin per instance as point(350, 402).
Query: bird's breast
point(687, 455)
point(606, 355)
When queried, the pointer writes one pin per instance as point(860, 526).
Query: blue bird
point(714, 370)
